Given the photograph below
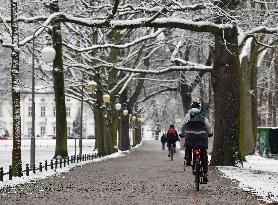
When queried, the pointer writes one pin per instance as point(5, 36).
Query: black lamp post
point(48, 55)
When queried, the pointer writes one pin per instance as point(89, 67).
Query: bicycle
point(197, 168)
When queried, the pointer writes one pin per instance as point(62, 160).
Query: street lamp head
point(133, 118)
point(118, 106)
point(92, 85)
point(125, 112)
point(106, 98)
point(48, 54)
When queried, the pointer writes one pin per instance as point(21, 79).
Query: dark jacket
point(195, 128)
point(196, 134)
point(163, 138)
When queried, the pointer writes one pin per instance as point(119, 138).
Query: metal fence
point(53, 164)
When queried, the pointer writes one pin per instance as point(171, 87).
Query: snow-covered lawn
point(88, 146)
point(259, 175)
point(45, 149)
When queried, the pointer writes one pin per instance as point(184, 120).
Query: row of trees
point(121, 45)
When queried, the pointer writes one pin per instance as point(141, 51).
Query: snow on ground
point(58, 171)
point(45, 150)
point(259, 176)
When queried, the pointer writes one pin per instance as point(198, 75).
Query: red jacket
point(172, 135)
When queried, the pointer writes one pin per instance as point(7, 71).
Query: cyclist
point(196, 129)
point(172, 137)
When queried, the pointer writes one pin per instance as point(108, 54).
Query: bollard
point(82, 157)
point(56, 163)
point(51, 164)
point(1, 174)
point(40, 167)
point(65, 162)
point(27, 170)
point(10, 172)
point(68, 160)
point(95, 155)
point(45, 165)
point(77, 158)
point(71, 159)
point(60, 163)
point(34, 168)
point(74, 158)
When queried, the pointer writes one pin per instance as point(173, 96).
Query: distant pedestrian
point(163, 140)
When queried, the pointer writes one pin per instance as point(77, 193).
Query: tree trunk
point(226, 81)
point(275, 100)
point(16, 153)
point(98, 115)
point(248, 89)
point(58, 76)
point(185, 92)
point(124, 142)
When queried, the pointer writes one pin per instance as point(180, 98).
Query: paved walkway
point(145, 176)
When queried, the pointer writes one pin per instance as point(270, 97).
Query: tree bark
point(248, 89)
point(59, 90)
point(16, 153)
point(124, 142)
point(98, 115)
point(226, 81)
point(275, 100)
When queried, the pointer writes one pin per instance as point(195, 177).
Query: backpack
point(172, 135)
point(197, 117)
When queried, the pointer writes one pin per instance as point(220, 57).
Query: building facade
point(45, 116)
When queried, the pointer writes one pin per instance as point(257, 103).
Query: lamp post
point(81, 116)
point(118, 107)
point(48, 55)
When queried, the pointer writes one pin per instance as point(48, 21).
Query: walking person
point(163, 140)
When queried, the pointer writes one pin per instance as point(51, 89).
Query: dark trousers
point(188, 157)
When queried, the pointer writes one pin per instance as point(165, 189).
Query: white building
point(45, 120)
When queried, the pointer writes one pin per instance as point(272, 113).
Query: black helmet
point(196, 105)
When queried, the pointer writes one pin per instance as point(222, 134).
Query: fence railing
point(53, 164)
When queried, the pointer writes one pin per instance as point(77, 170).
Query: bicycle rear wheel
point(197, 179)
point(172, 152)
point(197, 182)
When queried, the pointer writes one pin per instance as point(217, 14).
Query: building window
point(54, 111)
point(29, 111)
point(42, 111)
point(67, 100)
point(42, 131)
point(43, 100)
point(30, 99)
point(30, 131)
point(68, 130)
point(54, 130)
point(68, 111)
